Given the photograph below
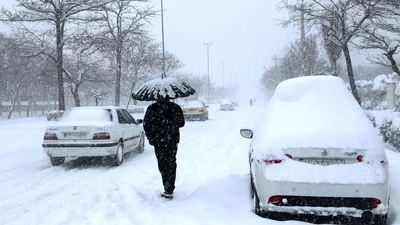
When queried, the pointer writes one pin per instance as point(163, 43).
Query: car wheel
point(119, 156)
point(141, 144)
point(56, 161)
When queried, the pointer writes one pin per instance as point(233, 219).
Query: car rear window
point(88, 115)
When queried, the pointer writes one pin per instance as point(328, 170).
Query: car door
point(132, 129)
point(125, 132)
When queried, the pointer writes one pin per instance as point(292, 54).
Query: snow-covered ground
point(212, 179)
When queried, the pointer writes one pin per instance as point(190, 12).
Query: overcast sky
point(246, 34)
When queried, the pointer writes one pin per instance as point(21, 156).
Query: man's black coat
point(162, 122)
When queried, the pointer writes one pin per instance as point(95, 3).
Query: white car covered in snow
point(93, 131)
point(315, 156)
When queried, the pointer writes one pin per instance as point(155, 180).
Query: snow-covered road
point(211, 186)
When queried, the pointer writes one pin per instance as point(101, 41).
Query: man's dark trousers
point(166, 157)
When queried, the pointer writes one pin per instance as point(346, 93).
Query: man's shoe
point(167, 195)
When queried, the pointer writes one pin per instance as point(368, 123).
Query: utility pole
point(303, 39)
point(163, 75)
point(208, 68)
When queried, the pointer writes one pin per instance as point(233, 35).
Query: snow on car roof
point(314, 111)
point(88, 114)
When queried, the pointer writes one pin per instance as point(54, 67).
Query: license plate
point(323, 162)
point(75, 134)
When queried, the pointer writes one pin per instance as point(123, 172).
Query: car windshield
point(87, 115)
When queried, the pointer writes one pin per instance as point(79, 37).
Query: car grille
point(359, 203)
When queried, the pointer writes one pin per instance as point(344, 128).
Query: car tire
point(119, 156)
point(140, 148)
point(56, 161)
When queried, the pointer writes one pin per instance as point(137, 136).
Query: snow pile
point(315, 111)
point(382, 80)
point(359, 173)
point(87, 114)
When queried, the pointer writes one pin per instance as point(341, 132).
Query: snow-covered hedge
point(388, 125)
point(390, 134)
point(373, 93)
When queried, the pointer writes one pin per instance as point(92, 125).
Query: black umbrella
point(163, 88)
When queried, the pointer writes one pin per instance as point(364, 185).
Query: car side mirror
point(139, 121)
point(246, 133)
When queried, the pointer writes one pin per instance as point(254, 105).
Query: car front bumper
point(83, 149)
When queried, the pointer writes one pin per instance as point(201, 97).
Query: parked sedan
point(93, 131)
point(195, 110)
point(315, 156)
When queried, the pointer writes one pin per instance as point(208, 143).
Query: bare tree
point(294, 62)
point(343, 20)
point(55, 13)
point(113, 27)
point(143, 61)
point(385, 36)
point(83, 64)
point(20, 73)
point(333, 51)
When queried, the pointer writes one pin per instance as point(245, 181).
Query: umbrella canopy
point(162, 88)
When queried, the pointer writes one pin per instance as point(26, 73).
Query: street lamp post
point(163, 75)
point(208, 68)
point(223, 73)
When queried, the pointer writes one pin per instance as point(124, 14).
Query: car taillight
point(375, 202)
point(101, 136)
point(360, 158)
point(273, 161)
point(50, 137)
point(275, 199)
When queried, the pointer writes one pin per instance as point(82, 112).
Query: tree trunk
point(350, 73)
point(393, 64)
point(14, 101)
point(75, 94)
point(28, 109)
point(118, 76)
point(60, 78)
point(131, 92)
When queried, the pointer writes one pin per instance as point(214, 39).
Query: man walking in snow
point(161, 125)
